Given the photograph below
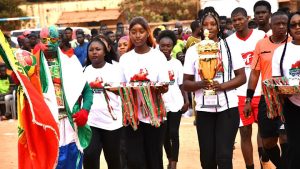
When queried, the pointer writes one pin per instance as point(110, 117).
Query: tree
point(160, 10)
point(9, 9)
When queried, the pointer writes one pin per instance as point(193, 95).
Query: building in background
point(50, 12)
point(293, 5)
point(88, 18)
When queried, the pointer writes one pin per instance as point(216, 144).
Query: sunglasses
point(294, 25)
point(52, 40)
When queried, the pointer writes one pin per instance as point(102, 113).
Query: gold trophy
point(207, 69)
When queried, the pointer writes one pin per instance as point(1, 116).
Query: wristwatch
point(248, 100)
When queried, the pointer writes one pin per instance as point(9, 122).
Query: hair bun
point(209, 9)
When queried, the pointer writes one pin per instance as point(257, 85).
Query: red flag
point(38, 142)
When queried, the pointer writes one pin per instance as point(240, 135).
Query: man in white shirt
point(262, 15)
point(244, 40)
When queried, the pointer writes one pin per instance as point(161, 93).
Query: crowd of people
point(249, 52)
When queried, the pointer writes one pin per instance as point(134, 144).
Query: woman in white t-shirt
point(286, 62)
point(217, 126)
point(105, 117)
point(144, 145)
point(176, 100)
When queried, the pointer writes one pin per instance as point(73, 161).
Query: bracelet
point(250, 93)
point(248, 100)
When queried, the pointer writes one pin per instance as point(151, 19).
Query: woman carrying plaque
point(286, 63)
point(143, 64)
point(211, 72)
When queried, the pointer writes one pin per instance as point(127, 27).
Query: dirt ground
point(188, 153)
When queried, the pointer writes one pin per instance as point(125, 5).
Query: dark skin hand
point(161, 89)
point(190, 85)
point(253, 80)
point(186, 104)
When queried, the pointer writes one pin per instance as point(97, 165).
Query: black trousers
point(107, 140)
point(216, 135)
point(172, 135)
point(144, 146)
point(291, 114)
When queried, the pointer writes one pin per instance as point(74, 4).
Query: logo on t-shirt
point(295, 69)
point(97, 85)
point(141, 76)
point(171, 76)
point(248, 56)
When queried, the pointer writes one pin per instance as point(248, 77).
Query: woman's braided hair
point(286, 41)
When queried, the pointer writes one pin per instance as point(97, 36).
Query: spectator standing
point(33, 39)
point(69, 33)
point(103, 29)
point(262, 14)
point(94, 33)
point(65, 46)
point(123, 45)
point(120, 27)
point(179, 27)
point(81, 50)
point(6, 90)
point(196, 34)
point(176, 100)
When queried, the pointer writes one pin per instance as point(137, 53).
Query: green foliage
point(9, 9)
point(160, 10)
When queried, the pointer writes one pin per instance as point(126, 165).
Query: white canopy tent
point(225, 7)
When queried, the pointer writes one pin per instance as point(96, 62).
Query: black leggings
point(172, 135)
point(144, 146)
point(110, 142)
point(216, 135)
point(291, 114)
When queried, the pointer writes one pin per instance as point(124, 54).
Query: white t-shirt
point(99, 115)
point(153, 61)
point(290, 65)
point(246, 47)
point(173, 99)
point(269, 33)
point(191, 68)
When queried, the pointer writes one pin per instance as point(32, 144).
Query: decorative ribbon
point(275, 90)
point(151, 103)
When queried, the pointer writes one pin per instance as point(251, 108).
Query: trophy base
point(210, 99)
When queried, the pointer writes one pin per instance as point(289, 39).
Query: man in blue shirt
point(81, 50)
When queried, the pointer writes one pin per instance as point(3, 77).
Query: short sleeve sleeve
point(180, 73)
point(119, 75)
point(276, 62)
point(255, 65)
point(189, 62)
point(121, 68)
point(237, 60)
point(163, 75)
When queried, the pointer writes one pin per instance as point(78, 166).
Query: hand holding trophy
point(207, 69)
